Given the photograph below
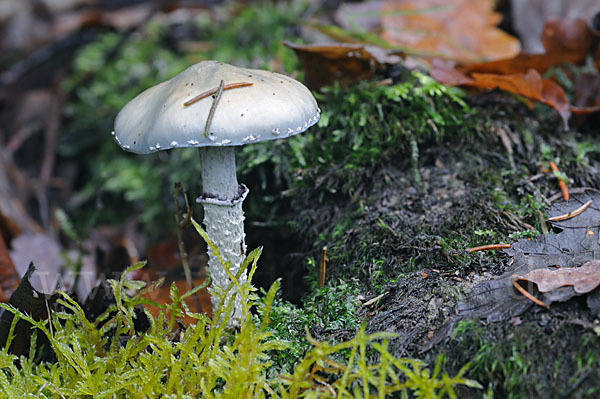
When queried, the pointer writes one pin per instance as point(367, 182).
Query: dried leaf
point(530, 85)
point(162, 295)
point(586, 87)
point(530, 16)
point(460, 30)
point(45, 252)
point(584, 279)
point(524, 62)
point(345, 63)
point(9, 278)
point(565, 41)
point(577, 244)
point(30, 301)
point(448, 75)
point(164, 261)
point(562, 36)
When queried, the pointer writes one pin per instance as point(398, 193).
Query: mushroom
point(247, 106)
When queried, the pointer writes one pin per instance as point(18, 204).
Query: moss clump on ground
point(366, 155)
point(406, 238)
point(542, 357)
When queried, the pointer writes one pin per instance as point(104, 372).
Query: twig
point(542, 222)
point(570, 215)
point(49, 316)
point(527, 295)
point(576, 385)
point(129, 246)
point(373, 300)
point(184, 258)
point(52, 125)
point(323, 267)
point(489, 247)
point(189, 212)
point(213, 107)
point(576, 190)
point(506, 142)
point(210, 92)
point(563, 186)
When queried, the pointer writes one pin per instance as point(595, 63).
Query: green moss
point(369, 123)
point(514, 365)
point(325, 311)
point(108, 358)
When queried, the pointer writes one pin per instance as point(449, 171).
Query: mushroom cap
point(274, 106)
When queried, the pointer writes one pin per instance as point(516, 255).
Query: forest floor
point(399, 180)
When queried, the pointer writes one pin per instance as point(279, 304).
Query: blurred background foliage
point(111, 70)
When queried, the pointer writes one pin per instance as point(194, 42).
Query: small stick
point(571, 214)
point(576, 385)
point(323, 266)
point(210, 92)
point(489, 247)
point(576, 190)
point(563, 186)
point(527, 295)
point(373, 300)
point(182, 253)
point(542, 222)
point(49, 316)
point(213, 107)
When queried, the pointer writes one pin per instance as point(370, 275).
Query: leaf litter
point(584, 279)
point(558, 267)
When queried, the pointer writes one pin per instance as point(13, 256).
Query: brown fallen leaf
point(586, 94)
point(575, 244)
point(342, 62)
point(565, 36)
point(584, 279)
point(162, 295)
point(528, 17)
point(523, 62)
point(461, 30)
point(164, 261)
point(564, 41)
point(530, 85)
point(9, 277)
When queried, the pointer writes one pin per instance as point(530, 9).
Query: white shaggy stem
point(223, 219)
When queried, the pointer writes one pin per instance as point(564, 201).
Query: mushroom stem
point(223, 219)
point(219, 179)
